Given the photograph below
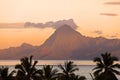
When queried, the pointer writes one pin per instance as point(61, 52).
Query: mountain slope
point(60, 44)
point(17, 52)
point(65, 43)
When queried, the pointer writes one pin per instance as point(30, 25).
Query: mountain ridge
point(65, 43)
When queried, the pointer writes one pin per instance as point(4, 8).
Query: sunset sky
point(94, 18)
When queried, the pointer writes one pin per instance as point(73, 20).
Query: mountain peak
point(66, 29)
point(65, 33)
point(71, 20)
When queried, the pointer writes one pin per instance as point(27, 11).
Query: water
point(85, 67)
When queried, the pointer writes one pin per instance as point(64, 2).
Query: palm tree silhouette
point(49, 73)
point(67, 70)
point(4, 73)
point(27, 69)
point(105, 68)
point(77, 77)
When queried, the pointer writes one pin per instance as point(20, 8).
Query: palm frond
point(62, 68)
point(54, 72)
point(115, 71)
point(31, 59)
point(4, 71)
point(97, 68)
point(73, 70)
point(97, 72)
point(37, 72)
point(20, 73)
point(82, 78)
point(12, 73)
point(20, 67)
point(34, 64)
point(97, 59)
point(115, 66)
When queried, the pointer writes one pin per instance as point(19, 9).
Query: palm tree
point(4, 73)
point(67, 70)
point(105, 68)
point(49, 73)
point(27, 69)
point(77, 77)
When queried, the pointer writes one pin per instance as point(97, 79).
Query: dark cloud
point(52, 24)
point(109, 14)
point(98, 32)
point(112, 3)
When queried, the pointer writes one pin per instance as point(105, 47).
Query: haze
point(94, 18)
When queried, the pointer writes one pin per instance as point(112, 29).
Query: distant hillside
point(65, 43)
point(17, 52)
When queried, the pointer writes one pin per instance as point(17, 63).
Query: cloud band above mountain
point(109, 14)
point(112, 3)
point(52, 24)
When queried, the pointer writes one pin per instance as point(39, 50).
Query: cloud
point(11, 25)
point(113, 36)
point(112, 3)
point(98, 32)
point(51, 24)
point(109, 14)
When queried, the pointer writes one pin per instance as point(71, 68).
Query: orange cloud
point(112, 3)
point(109, 14)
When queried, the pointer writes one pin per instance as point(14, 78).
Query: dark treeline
point(105, 69)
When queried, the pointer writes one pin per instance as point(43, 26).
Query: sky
point(94, 18)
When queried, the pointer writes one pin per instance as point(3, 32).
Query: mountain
point(60, 44)
point(17, 52)
point(65, 43)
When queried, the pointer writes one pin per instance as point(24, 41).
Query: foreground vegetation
point(105, 70)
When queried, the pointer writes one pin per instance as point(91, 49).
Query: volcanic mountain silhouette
point(65, 43)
